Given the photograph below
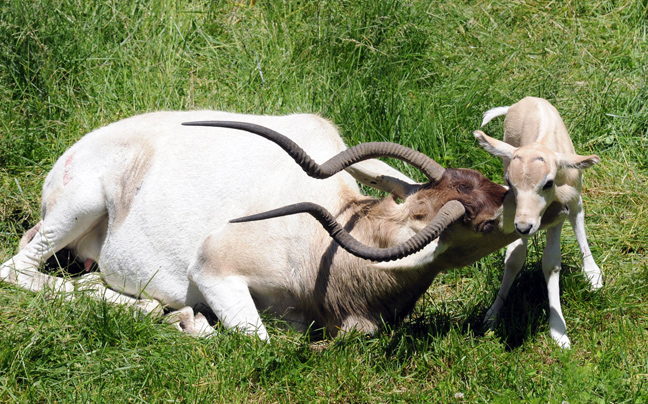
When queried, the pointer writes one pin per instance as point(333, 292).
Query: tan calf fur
point(541, 168)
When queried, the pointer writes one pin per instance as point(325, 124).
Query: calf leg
point(551, 268)
point(577, 220)
point(515, 256)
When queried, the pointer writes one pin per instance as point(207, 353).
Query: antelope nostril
point(523, 229)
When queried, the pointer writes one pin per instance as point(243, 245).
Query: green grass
point(415, 72)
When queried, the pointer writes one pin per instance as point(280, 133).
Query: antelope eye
point(548, 185)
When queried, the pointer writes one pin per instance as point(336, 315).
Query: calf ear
point(494, 146)
point(577, 161)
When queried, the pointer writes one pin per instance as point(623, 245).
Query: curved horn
point(447, 215)
point(348, 157)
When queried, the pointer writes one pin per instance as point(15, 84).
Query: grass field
point(419, 73)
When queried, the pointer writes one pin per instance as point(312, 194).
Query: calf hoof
point(595, 280)
point(593, 273)
point(562, 341)
point(490, 320)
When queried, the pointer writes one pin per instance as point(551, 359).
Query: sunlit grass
point(414, 72)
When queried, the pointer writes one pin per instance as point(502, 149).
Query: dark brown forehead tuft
point(480, 196)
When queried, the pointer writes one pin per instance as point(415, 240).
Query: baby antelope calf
point(541, 167)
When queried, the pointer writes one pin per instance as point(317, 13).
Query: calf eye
point(548, 185)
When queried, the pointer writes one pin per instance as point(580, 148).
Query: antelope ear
point(577, 161)
point(377, 174)
point(494, 146)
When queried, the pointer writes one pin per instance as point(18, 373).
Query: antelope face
point(531, 175)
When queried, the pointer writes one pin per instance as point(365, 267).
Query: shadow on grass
point(524, 316)
point(525, 312)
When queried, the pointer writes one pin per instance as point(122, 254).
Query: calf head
point(533, 172)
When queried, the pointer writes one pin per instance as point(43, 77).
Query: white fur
point(538, 149)
point(493, 113)
point(149, 200)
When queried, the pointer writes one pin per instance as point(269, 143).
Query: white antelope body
point(541, 168)
point(150, 201)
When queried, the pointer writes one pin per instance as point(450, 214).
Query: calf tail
point(493, 113)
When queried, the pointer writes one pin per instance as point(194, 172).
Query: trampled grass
point(415, 72)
